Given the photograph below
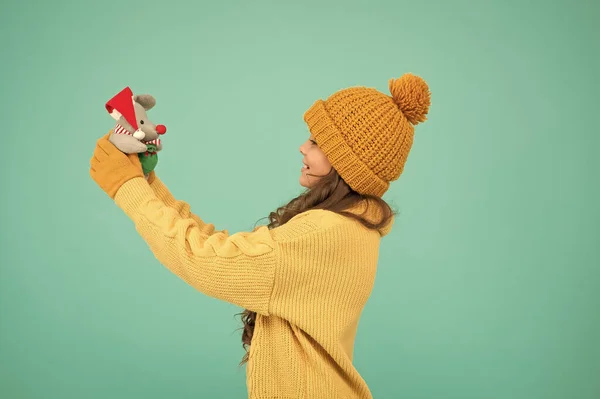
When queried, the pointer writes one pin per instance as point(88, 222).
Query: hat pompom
point(412, 95)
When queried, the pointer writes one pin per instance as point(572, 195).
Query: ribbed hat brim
point(339, 153)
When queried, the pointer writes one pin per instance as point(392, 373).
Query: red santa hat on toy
point(123, 104)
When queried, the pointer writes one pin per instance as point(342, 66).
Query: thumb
point(135, 160)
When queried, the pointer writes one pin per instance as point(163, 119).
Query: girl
point(305, 278)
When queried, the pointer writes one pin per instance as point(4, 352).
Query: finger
point(151, 176)
point(99, 150)
point(102, 139)
point(102, 146)
point(106, 136)
point(99, 154)
point(135, 159)
point(107, 146)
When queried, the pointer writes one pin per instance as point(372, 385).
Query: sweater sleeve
point(304, 271)
point(237, 268)
point(181, 207)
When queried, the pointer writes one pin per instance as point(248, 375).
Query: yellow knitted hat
point(367, 135)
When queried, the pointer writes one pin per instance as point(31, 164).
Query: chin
point(303, 182)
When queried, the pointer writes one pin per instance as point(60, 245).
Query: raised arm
point(181, 207)
point(315, 258)
point(236, 268)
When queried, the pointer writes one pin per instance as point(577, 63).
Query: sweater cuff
point(161, 190)
point(133, 193)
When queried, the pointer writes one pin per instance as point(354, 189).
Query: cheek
point(323, 162)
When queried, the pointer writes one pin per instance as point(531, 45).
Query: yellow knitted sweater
point(308, 280)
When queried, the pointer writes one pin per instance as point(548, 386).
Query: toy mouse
point(134, 132)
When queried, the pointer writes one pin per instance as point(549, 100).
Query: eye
point(314, 142)
point(142, 122)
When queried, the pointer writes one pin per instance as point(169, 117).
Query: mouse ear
point(145, 100)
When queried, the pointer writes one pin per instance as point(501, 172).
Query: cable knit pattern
point(308, 280)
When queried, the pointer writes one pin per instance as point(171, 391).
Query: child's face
point(317, 162)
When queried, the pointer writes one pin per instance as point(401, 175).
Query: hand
point(110, 168)
point(150, 177)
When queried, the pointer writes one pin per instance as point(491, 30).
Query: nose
point(161, 129)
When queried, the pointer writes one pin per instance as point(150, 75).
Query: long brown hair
point(332, 193)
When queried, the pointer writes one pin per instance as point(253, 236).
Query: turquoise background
point(488, 284)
